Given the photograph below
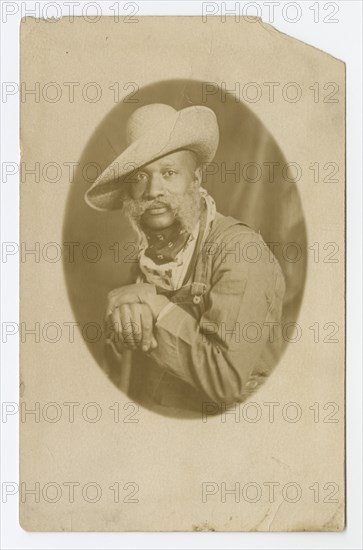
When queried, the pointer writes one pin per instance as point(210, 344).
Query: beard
point(185, 207)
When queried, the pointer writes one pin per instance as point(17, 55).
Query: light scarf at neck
point(170, 274)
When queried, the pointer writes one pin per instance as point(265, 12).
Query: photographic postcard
point(182, 272)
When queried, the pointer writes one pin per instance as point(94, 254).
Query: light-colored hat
point(153, 131)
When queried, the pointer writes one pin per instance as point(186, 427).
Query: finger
point(154, 343)
point(110, 306)
point(116, 324)
point(116, 298)
point(108, 326)
point(127, 326)
point(146, 327)
point(136, 323)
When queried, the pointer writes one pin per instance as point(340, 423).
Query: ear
point(198, 173)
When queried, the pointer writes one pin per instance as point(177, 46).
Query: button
point(196, 299)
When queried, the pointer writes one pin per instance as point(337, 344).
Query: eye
point(170, 173)
point(141, 177)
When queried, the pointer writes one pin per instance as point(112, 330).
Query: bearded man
point(201, 321)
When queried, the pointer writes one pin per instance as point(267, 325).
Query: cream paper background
point(169, 459)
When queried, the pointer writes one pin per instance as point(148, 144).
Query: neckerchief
point(170, 274)
point(165, 244)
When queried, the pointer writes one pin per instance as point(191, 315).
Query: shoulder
point(227, 231)
point(227, 227)
point(235, 246)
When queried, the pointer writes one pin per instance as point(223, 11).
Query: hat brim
point(194, 128)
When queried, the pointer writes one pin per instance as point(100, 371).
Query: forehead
point(177, 158)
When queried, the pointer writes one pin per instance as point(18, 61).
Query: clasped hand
point(131, 314)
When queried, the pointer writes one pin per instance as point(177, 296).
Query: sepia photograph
point(180, 350)
point(194, 312)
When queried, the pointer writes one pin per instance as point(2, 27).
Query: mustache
point(139, 207)
point(185, 207)
point(155, 203)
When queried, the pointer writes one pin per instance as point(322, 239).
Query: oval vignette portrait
point(204, 213)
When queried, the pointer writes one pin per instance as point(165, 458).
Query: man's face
point(165, 190)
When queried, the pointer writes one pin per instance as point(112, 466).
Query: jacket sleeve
point(243, 308)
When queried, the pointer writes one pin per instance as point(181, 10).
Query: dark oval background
point(270, 206)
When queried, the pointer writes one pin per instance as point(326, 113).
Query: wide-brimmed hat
point(153, 131)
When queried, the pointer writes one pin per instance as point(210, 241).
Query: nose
point(154, 187)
